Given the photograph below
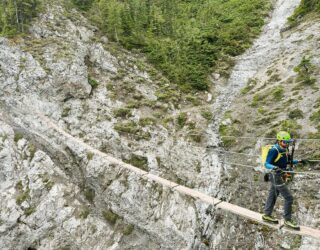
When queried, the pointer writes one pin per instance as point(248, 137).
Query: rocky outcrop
point(55, 195)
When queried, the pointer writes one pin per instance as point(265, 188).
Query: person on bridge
point(277, 160)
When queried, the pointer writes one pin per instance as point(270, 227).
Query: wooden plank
point(160, 180)
point(304, 231)
point(255, 216)
point(198, 195)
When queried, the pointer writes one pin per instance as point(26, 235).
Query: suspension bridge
point(218, 204)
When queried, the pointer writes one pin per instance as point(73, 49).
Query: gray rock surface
point(55, 194)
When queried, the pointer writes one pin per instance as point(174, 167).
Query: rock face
point(55, 194)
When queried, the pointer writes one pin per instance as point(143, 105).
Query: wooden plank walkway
point(257, 217)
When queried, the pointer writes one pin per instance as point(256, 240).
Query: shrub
point(147, 121)
point(48, 184)
point(194, 100)
point(251, 84)
point(315, 117)
point(89, 193)
point(93, 82)
point(305, 70)
point(295, 114)
point(32, 149)
point(110, 217)
point(29, 211)
point(122, 112)
point(90, 156)
point(182, 119)
point(196, 136)
point(84, 213)
point(17, 136)
point(138, 161)
point(65, 112)
point(277, 93)
point(291, 126)
point(256, 99)
point(127, 127)
point(128, 229)
point(225, 131)
point(84, 5)
point(21, 197)
point(207, 114)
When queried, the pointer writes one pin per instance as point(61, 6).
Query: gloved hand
point(289, 178)
point(276, 169)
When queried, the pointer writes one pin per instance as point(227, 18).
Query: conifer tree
point(15, 15)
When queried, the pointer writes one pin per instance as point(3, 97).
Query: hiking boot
point(269, 218)
point(291, 224)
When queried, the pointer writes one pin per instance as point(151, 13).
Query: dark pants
point(279, 187)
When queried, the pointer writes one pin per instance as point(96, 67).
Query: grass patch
point(21, 197)
point(127, 127)
point(32, 149)
point(90, 156)
point(257, 99)
point(315, 117)
point(65, 112)
point(263, 121)
point(147, 121)
point(19, 186)
point(138, 161)
point(22, 194)
point(291, 126)
point(206, 114)
point(29, 211)
point(128, 229)
point(274, 78)
point(195, 135)
point(17, 136)
point(277, 93)
point(261, 110)
point(182, 119)
point(84, 213)
point(47, 182)
point(250, 85)
point(122, 112)
point(110, 217)
point(194, 100)
point(225, 131)
point(94, 84)
point(167, 94)
point(305, 71)
point(295, 114)
point(89, 193)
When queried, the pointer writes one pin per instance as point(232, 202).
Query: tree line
point(185, 39)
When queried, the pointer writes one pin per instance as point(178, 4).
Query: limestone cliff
point(56, 195)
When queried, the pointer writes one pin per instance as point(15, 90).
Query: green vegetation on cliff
point(305, 7)
point(185, 39)
point(15, 15)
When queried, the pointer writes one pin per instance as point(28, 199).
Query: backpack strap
point(279, 155)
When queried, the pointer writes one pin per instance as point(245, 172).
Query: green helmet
point(283, 136)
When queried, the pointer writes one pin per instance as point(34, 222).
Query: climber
point(277, 161)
